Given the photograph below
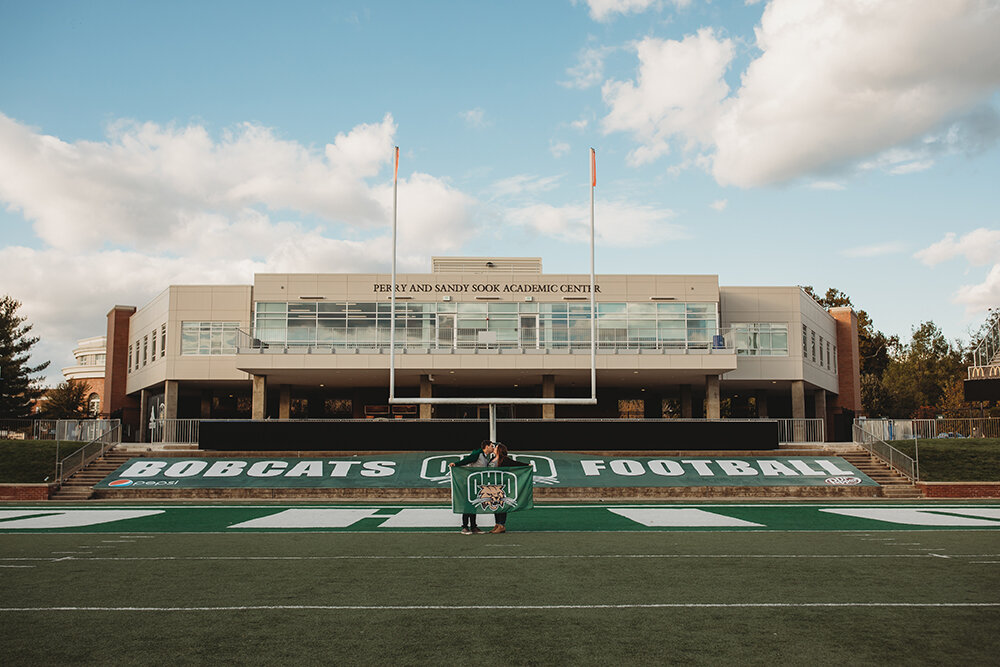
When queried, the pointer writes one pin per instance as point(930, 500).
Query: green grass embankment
point(955, 459)
point(30, 461)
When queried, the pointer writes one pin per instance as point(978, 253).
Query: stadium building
point(296, 346)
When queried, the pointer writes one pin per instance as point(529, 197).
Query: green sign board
point(430, 470)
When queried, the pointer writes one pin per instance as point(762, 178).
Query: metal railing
point(174, 431)
point(88, 453)
point(876, 446)
point(801, 430)
point(282, 341)
point(27, 429)
point(907, 429)
point(987, 352)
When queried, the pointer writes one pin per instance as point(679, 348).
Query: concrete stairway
point(893, 484)
point(80, 486)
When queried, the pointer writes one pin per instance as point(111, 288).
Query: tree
point(18, 389)
point(874, 348)
point(67, 401)
point(919, 373)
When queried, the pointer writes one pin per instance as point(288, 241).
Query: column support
point(820, 406)
point(426, 391)
point(285, 401)
point(713, 404)
point(259, 408)
point(143, 415)
point(548, 391)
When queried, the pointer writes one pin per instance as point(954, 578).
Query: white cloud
point(620, 224)
point(580, 125)
point(178, 206)
point(980, 247)
point(475, 118)
point(560, 149)
point(875, 250)
point(827, 185)
point(678, 92)
point(589, 68)
point(835, 82)
point(720, 205)
point(604, 10)
point(524, 183)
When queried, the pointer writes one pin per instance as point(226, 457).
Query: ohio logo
point(843, 481)
point(121, 482)
point(493, 490)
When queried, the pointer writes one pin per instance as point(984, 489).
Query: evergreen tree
point(18, 387)
point(67, 401)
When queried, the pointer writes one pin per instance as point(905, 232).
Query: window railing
point(282, 340)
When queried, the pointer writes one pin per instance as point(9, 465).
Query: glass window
point(805, 343)
point(820, 350)
point(129, 358)
point(812, 339)
point(769, 339)
point(145, 350)
point(163, 340)
point(153, 348)
point(208, 338)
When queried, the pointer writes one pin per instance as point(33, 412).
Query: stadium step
point(893, 484)
point(80, 485)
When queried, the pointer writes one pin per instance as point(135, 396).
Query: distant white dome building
point(91, 356)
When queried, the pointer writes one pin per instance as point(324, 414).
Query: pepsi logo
point(843, 481)
point(121, 482)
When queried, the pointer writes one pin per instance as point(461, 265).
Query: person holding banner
point(477, 458)
point(502, 460)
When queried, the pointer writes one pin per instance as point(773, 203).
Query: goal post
point(493, 401)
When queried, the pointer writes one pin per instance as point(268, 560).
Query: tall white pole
point(593, 299)
point(392, 303)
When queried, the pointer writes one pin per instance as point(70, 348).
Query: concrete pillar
point(762, 405)
point(426, 391)
point(798, 410)
point(686, 401)
point(548, 391)
point(284, 401)
point(206, 404)
point(712, 403)
point(143, 415)
point(170, 393)
point(259, 407)
point(820, 404)
point(798, 399)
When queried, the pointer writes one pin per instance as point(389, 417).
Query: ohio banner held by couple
point(491, 490)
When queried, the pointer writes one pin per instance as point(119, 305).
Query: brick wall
point(24, 491)
point(960, 489)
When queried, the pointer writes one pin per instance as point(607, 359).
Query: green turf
point(956, 459)
point(488, 573)
point(30, 461)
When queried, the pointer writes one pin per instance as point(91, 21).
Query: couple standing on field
point(489, 455)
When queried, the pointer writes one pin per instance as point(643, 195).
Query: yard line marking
point(76, 518)
point(17, 566)
point(315, 518)
point(655, 605)
point(913, 517)
point(488, 557)
point(688, 518)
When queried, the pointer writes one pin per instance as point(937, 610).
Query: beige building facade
point(317, 346)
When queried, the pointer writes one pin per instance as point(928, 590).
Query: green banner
point(430, 470)
point(491, 490)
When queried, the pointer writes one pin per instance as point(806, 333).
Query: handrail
point(88, 453)
point(879, 448)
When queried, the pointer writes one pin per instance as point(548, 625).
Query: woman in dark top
point(501, 459)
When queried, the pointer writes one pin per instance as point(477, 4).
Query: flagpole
point(593, 300)
point(392, 306)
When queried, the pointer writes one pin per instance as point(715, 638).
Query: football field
point(729, 583)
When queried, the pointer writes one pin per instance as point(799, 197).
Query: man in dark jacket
point(477, 458)
point(502, 460)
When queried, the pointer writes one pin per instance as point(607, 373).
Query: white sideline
point(664, 605)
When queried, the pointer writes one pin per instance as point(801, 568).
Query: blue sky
point(840, 144)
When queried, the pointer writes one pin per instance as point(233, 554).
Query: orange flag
point(395, 171)
point(593, 168)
